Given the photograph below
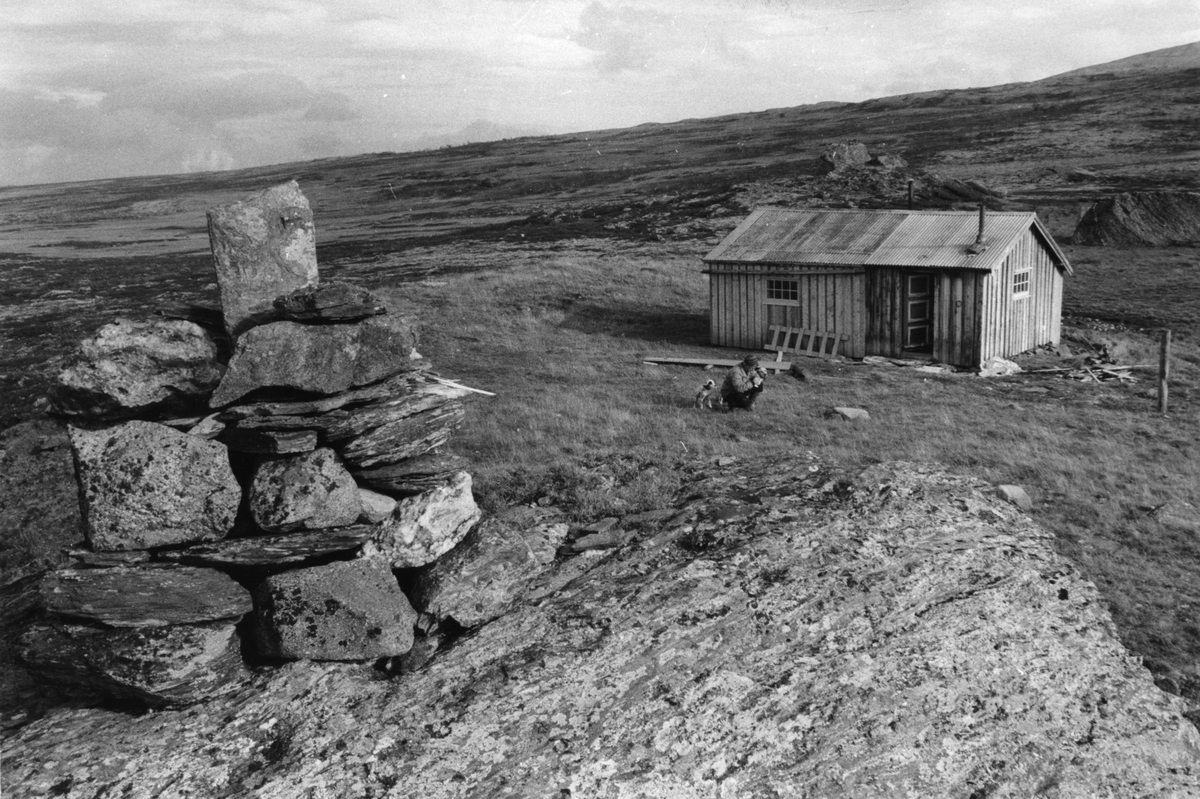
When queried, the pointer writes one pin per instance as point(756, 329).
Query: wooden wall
point(975, 315)
point(958, 298)
point(831, 299)
point(1014, 324)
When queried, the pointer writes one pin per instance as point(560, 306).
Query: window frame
point(782, 291)
point(1021, 288)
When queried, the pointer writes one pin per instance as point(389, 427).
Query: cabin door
point(918, 313)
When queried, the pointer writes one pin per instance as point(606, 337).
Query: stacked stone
point(276, 466)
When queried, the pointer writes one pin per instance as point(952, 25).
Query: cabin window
point(783, 291)
point(1021, 284)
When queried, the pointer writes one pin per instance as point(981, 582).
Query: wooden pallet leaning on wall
point(813, 343)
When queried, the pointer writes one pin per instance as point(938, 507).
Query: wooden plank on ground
point(774, 366)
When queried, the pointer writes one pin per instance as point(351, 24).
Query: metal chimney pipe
point(910, 184)
point(979, 238)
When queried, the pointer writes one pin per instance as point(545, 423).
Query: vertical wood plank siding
point(975, 315)
point(741, 316)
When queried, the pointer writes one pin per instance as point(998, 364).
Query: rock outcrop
point(779, 632)
point(1141, 219)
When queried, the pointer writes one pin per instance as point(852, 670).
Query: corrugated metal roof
point(878, 238)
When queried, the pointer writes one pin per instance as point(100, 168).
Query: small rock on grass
point(849, 414)
point(1015, 495)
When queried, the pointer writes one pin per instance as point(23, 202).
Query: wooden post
point(1164, 370)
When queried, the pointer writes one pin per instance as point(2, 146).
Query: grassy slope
point(561, 332)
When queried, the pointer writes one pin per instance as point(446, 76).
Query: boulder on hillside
point(263, 247)
point(310, 491)
point(323, 359)
point(843, 156)
point(1141, 219)
point(346, 610)
point(482, 577)
point(171, 665)
point(135, 368)
point(143, 485)
point(424, 527)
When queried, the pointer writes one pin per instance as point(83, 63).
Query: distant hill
point(1184, 56)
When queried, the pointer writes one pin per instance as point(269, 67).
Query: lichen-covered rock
point(486, 574)
point(142, 596)
point(324, 359)
point(903, 635)
point(262, 247)
point(307, 491)
point(133, 368)
point(346, 610)
point(144, 485)
point(173, 665)
point(424, 527)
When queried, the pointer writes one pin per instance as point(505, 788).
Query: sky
point(111, 88)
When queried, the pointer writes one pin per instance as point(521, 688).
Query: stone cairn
point(249, 479)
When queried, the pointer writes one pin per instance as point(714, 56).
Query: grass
point(560, 333)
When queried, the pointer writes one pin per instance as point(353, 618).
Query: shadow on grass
point(631, 321)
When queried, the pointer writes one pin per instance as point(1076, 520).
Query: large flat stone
point(165, 666)
point(262, 247)
point(346, 610)
point(142, 596)
point(144, 485)
point(134, 368)
point(265, 553)
point(424, 527)
point(412, 475)
point(322, 359)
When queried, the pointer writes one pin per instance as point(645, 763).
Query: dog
point(707, 397)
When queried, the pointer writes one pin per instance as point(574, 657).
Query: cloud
point(330, 106)
point(216, 98)
point(623, 38)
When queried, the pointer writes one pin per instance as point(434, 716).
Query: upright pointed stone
point(262, 247)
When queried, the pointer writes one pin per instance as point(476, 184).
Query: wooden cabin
point(954, 287)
